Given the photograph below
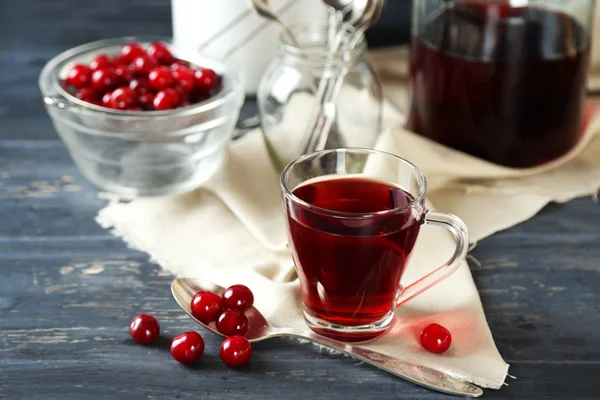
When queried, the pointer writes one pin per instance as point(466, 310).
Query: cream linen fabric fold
point(232, 230)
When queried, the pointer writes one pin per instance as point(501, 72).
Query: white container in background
point(197, 21)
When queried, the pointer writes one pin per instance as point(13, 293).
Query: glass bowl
point(142, 153)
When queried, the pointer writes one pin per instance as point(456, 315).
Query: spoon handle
point(420, 375)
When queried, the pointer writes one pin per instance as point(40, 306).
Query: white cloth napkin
point(232, 230)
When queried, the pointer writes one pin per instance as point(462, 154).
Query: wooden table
point(68, 288)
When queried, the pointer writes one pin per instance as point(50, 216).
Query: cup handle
point(460, 232)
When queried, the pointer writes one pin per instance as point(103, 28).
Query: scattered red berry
point(435, 338)
point(238, 297)
point(206, 79)
point(79, 76)
point(144, 329)
point(102, 61)
point(188, 347)
point(122, 98)
point(146, 100)
point(206, 306)
point(184, 77)
point(104, 79)
point(130, 51)
point(233, 322)
point(236, 350)
point(88, 94)
point(166, 99)
point(142, 65)
point(160, 78)
point(160, 53)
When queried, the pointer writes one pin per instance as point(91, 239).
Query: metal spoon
point(262, 8)
point(184, 289)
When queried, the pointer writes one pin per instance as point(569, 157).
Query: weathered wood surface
point(68, 289)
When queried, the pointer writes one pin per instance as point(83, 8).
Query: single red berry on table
point(144, 329)
point(146, 100)
point(188, 347)
point(124, 73)
point(106, 100)
point(233, 322)
point(206, 306)
point(435, 338)
point(104, 79)
point(184, 77)
point(79, 76)
point(122, 98)
point(238, 297)
point(160, 78)
point(140, 85)
point(206, 79)
point(130, 51)
point(142, 65)
point(166, 99)
point(88, 94)
point(160, 53)
point(235, 350)
point(101, 61)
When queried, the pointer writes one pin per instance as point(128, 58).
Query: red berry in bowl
point(206, 79)
point(79, 76)
point(233, 322)
point(122, 98)
point(144, 329)
point(206, 306)
point(140, 85)
point(235, 350)
point(238, 297)
point(166, 99)
point(130, 51)
point(142, 65)
point(146, 100)
point(188, 347)
point(160, 78)
point(88, 94)
point(183, 95)
point(101, 61)
point(124, 73)
point(106, 100)
point(184, 78)
point(179, 63)
point(104, 79)
point(160, 53)
point(435, 338)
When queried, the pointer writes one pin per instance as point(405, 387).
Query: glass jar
point(503, 80)
point(286, 96)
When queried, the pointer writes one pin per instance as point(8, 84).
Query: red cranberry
point(130, 51)
point(106, 100)
point(435, 338)
point(122, 98)
point(160, 78)
point(206, 306)
point(124, 73)
point(146, 100)
point(79, 76)
point(179, 63)
point(140, 85)
point(160, 53)
point(118, 60)
point(104, 79)
point(143, 65)
point(184, 77)
point(88, 94)
point(236, 350)
point(206, 79)
point(238, 297)
point(102, 61)
point(166, 99)
point(188, 347)
point(233, 322)
point(135, 108)
point(183, 95)
point(144, 329)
